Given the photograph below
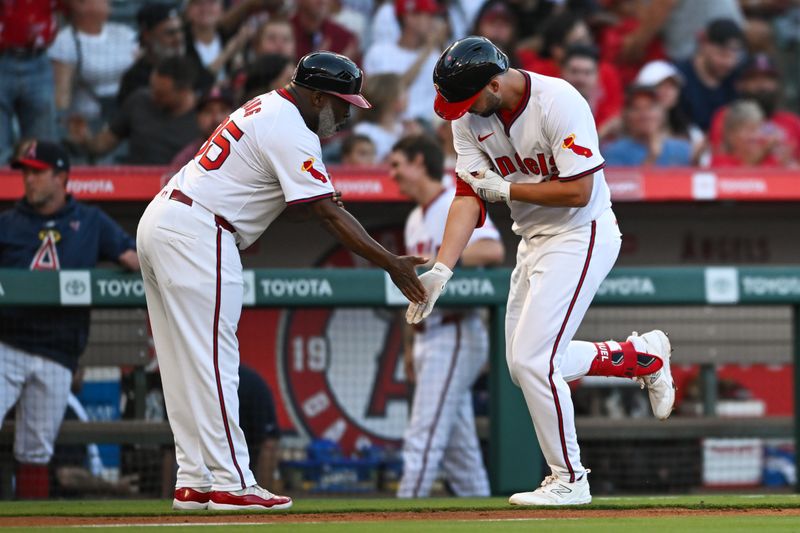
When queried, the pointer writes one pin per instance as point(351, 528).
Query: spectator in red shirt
point(760, 81)
point(314, 30)
point(560, 33)
point(581, 68)
point(744, 141)
point(612, 38)
point(27, 27)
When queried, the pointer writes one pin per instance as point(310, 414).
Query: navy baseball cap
point(42, 155)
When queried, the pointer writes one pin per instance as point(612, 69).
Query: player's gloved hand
point(434, 281)
point(488, 184)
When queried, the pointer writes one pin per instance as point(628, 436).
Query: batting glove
point(488, 184)
point(434, 281)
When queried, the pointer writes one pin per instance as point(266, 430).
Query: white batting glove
point(434, 281)
point(488, 184)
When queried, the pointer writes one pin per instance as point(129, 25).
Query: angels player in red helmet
point(264, 157)
point(530, 141)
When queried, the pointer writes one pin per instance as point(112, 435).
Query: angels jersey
point(260, 159)
point(551, 135)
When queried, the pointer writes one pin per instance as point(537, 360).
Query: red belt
point(181, 197)
point(449, 318)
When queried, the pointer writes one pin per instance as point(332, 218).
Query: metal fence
point(303, 329)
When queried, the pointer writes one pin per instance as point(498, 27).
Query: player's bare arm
point(461, 220)
point(350, 233)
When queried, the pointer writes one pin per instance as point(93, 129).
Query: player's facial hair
point(327, 122)
point(492, 105)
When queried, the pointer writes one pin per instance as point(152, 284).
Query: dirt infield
point(287, 518)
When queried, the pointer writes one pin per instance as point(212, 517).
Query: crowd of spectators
point(670, 82)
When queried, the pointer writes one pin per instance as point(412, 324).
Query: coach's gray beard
point(327, 122)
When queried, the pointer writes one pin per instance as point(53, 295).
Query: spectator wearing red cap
point(314, 30)
point(27, 27)
point(745, 141)
point(760, 81)
point(413, 57)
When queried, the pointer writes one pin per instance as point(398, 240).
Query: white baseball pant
point(193, 284)
point(552, 285)
point(448, 358)
point(42, 388)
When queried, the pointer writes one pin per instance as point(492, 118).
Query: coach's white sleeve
point(570, 128)
point(296, 159)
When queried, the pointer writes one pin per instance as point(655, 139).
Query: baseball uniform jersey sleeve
point(569, 127)
point(260, 159)
point(297, 163)
point(472, 158)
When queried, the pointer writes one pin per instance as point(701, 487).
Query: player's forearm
point(347, 230)
point(485, 252)
point(576, 193)
point(461, 219)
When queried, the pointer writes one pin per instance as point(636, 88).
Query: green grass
point(684, 524)
point(351, 505)
point(527, 520)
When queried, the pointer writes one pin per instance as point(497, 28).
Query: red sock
point(624, 363)
point(33, 481)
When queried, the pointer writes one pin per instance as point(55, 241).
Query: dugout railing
point(716, 315)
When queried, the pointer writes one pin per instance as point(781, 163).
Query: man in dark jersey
point(40, 347)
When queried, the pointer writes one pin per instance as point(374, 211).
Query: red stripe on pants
point(216, 355)
point(555, 349)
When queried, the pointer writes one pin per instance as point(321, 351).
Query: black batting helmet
point(463, 70)
point(333, 74)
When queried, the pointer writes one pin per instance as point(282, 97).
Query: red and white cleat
point(252, 498)
point(191, 499)
point(660, 386)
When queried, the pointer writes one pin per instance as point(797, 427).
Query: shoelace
point(548, 480)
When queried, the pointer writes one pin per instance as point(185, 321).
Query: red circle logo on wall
point(341, 368)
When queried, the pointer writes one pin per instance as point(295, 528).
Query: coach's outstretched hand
point(434, 281)
point(487, 184)
point(402, 272)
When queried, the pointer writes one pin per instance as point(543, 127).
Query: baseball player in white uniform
point(448, 351)
point(530, 141)
point(264, 157)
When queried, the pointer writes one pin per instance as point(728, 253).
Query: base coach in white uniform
point(264, 157)
point(530, 141)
